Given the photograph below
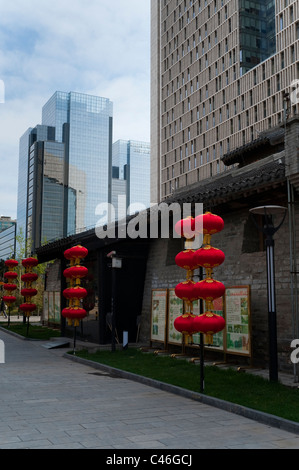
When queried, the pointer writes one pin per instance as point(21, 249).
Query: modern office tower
point(46, 192)
point(24, 145)
point(7, 238)
point(131, 175)
point(65, 168)
point(6, 222)
point(32, 185)
point(84, 124)
point(220, 71)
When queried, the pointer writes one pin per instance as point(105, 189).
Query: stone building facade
point(264, 174)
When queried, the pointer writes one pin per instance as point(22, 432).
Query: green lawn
point(34, 331)
point(241, 388)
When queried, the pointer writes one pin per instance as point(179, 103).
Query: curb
point(259, 416)
point(16, 335)
point(21, 337)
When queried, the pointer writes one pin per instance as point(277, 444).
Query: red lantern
point(186, 260)
point(11, 263)
point(74, 315)
point(76, 254)
point(29, 277)
point(10, 287)
point(211, 224)
point(185, 324)
point(28, 292)
point(209, 257)
point(75, 293)
point(27, 308)
point(10, 275)
point(30, 263)
point(186, 228)
point(186, 291)
point(76, 272)
point(9, 299)
point(209, 324)
point(209, 289)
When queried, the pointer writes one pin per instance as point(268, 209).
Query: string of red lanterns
point(75, 293)
point(28, 292)
point(186, 290)
point(209, 289)
point(10, 287)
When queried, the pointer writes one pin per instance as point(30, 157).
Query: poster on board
point(57, 307)
point(175, 310)
point(46, 306)
point(159, 315)
point(237, 310)
point(218, 338)
point(51, 309)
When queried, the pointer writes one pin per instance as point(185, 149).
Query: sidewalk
point(50, 402)
point(18, 318)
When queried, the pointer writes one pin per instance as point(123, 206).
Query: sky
point(95, 47)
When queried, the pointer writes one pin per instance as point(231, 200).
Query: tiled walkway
point(49, 402)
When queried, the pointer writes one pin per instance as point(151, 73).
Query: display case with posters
point(238, 320)
point(159, 316)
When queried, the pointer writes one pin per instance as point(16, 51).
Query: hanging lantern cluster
point(28, 292)
point(209, 289)
point(75, 293)
point(10, 287)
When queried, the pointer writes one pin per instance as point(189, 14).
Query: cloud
point(88, 46)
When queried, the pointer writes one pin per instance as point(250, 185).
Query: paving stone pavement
point(49, 402)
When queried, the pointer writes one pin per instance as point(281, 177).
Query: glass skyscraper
point(131, 163)
point(257, 32)
point(65, 167)
point(5, 223)
point(24, 146)
point(31, 184)
point(84, 124)
point(7, 238)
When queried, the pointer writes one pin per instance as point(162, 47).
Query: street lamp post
point(269, 230)
point(115, 264)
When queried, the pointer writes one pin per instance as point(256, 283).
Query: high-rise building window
point(257, 31)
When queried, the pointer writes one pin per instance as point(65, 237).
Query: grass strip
point(241, 388)
point(37, 332)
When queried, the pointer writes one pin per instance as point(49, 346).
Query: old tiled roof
point(234, 182)
point(266, 142)
point(230, 184)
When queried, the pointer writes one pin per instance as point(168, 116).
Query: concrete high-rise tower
point(220, 73)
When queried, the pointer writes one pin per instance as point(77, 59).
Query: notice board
point(159, 315)
point(238, 320)
point(235, 307)
point(52, 307)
